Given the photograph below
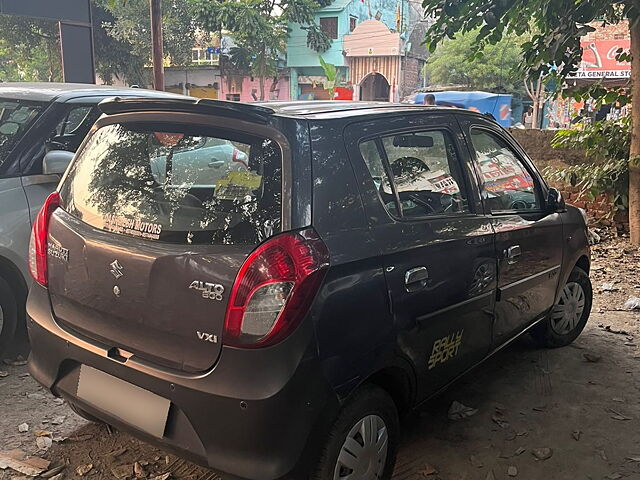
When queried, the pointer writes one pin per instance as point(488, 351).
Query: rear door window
point(178, 184)
point(417, 174)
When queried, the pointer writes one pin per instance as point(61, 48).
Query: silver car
point(41, 125)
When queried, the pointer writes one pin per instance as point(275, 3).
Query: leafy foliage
point(130, 25)
point(29, 50)
point(114, 58)
point(496, 68)
point(317, 40)
point(331, 72)
point(554, 26)
point(260, 29)
point(607, 142)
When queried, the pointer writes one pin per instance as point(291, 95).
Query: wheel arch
point(398, 382)
point(13, 276)
point(583, 263)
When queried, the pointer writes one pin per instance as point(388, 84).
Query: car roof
point(261, 111)
point(341, 108)
point(63, 92)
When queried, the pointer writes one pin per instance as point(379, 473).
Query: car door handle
point(216, 164)
point(512, 253)
point(416, 278)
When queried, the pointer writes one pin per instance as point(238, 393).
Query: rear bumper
point(254, 415)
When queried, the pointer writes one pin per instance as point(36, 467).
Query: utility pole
point(156, 44)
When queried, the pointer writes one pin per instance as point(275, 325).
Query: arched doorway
point(374, 87)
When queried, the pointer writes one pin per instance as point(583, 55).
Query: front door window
point(506, 184)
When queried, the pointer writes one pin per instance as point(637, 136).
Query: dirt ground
point(582, 413)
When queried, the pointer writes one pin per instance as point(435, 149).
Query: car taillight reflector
point(38, 242)
point(274, 289)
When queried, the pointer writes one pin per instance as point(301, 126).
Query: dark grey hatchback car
point(271, 309)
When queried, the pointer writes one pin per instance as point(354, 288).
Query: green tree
point(555, 28)
point(115, 58)
point(29, 50)
point(127, 35)
point(496, 69)
point(260, 29)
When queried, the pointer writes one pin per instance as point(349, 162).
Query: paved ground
point(528, 400)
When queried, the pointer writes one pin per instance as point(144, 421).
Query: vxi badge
point(212, 291)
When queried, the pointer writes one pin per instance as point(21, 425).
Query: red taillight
point(38, 243)
point(274, 289)
point(236, 157)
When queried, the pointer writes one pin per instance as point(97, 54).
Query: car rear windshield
point(178, 184)
point(15, 118)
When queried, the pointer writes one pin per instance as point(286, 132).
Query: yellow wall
point(203, 92)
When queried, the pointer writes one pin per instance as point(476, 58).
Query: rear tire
point(363, 441)
point(569, 315)
point(8, 315)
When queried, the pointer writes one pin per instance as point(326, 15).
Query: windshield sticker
point(237, 185)
point(132, 226)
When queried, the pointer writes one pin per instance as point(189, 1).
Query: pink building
point(247, 89)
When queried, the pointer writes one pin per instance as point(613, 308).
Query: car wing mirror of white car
point(56, 162)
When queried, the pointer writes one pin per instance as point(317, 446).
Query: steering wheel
point(519, 205)
point(415, 198)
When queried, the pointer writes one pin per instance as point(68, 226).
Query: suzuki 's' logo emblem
point(116, 269)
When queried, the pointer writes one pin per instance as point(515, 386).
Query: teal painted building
point(339, 20)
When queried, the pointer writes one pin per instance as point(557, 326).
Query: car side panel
point(15, 224)
point(297, 193)
point(526, 284)
point(352, 318)
point(454, 311)
point(576, 244)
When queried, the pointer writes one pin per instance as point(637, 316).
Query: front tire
point(569, 315)
point(363, 441)
point(8, 315)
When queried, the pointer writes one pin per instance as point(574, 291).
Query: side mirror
point(555, 202)
point(56, 162)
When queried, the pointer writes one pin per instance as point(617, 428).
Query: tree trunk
point(261, 88)
point(634, 169)
point(157, 52)
point(261, 73)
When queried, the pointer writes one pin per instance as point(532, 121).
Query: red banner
point(599, 59)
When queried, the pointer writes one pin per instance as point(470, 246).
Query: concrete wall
point(608, 32)
point(249, 89)
point(537, 144)
point(197, 76)
point(411, 75)
point(198, 81)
